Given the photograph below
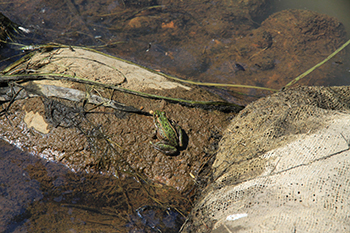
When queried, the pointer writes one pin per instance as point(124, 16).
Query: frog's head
point(158, 114)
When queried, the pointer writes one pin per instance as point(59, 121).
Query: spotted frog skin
point(169, 134)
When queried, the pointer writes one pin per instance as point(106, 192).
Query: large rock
point(90, 127)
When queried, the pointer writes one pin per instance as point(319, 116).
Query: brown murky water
point(41, 196)
point(215, 41)
point(236, 42)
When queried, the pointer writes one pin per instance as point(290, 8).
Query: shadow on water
point(38, 196)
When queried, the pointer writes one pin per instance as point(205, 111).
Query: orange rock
point(169, 25)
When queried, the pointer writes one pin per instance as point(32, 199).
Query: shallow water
point(336, 8)
point(41, 196)
point(162, 34)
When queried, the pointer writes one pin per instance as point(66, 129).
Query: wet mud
point(101, 140)
point(98, 138)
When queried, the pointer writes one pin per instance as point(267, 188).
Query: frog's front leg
point(165, 147)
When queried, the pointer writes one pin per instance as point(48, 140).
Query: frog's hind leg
point(164, 148)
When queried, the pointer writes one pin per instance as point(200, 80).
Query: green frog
point(168, 132)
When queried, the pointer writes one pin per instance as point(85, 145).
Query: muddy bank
point(62, 123)
point(93, 128)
